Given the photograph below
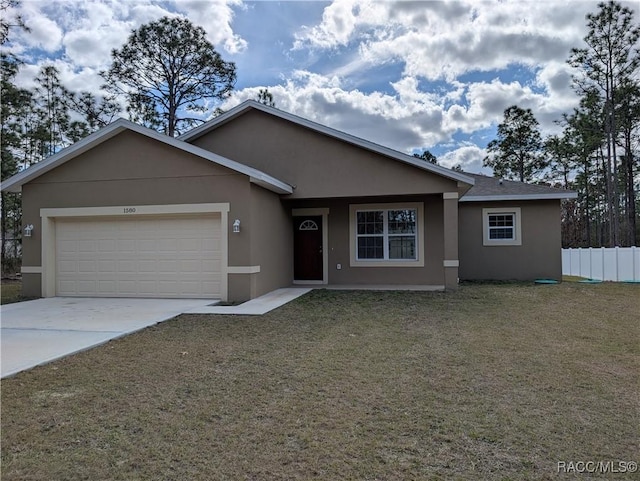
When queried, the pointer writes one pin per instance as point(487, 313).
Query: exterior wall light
point(28, 230)
point(236, 226)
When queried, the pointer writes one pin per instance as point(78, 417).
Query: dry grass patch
point(11, 291)
point(490, 382)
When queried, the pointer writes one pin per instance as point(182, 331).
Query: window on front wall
point(501, 227)
point(386, 234)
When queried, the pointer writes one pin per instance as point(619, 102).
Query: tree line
point(597, 152)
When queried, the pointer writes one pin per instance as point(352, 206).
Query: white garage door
point(139, 257)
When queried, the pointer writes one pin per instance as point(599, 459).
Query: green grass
point(490, 382)
point(11, 291)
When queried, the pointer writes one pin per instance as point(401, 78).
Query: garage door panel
point(167, 245)
point(106, 266)
point(152, 257)
point(107, 245)
point(85, 266)
point(108, 287)
point(126, 245)
point(86, 286)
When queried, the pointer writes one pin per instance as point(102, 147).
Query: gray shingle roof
point(492, 188)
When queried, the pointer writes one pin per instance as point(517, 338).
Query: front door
point(307, 248)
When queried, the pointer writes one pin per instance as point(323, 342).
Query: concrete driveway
point(37, 332)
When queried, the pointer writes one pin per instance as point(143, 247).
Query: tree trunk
point(587, 200)
point(3, 229)
point(631, 193)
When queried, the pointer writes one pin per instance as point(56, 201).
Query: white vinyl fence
point(605, 264)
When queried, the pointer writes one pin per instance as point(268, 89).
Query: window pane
point(370, 247)
point(501, 220)
point(402, 247)
point(402, 221)
point(501, 233)
point(501, 226)
point(370, 222)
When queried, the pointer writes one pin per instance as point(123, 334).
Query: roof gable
point(319, 166)
point(15, 183)
point(328, 131)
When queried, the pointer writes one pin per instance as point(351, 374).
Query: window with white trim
point(386, 234)
point(501, 227)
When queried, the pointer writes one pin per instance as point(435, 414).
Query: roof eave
point(272, 184)
point(515, 197)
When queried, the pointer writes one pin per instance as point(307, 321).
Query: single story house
point(257, 199)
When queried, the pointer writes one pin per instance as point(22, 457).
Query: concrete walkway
point(258, 306)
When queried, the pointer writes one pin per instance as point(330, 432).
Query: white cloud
point(469, 157)
point(216, 17)
point(339, 23)
point(88, 30)
point(555, 79)
point(44, 32)
point(446, 39)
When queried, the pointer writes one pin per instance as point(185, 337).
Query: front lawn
point(10, 291)
point(490, 382)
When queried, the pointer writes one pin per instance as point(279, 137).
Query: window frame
point(418, 207)
point(517, 226)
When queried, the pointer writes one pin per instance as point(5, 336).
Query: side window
point(501, 227)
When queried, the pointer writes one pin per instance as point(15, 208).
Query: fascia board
point(490, 198)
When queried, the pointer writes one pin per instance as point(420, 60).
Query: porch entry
point(307, 248)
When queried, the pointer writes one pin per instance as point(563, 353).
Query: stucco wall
point(130, 170)
point(339, 243)
point(539, 256)
point(271, 241)
point(317, 165)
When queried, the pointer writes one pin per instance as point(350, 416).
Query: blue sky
point(409, 75)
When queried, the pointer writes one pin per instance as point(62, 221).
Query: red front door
point(307, 248)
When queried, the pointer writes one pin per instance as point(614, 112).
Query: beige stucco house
point(258, 199)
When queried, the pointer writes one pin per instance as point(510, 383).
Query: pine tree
point(516, 153)
point(167, 70)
